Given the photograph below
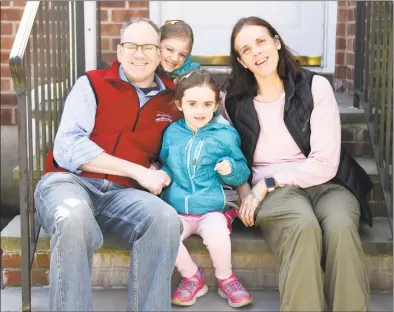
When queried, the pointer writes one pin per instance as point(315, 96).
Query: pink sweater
point(278, 155)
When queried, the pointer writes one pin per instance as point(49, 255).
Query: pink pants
point(213, 229)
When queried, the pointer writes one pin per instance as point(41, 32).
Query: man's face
point(139, 65)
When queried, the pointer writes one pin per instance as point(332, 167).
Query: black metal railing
point(373, 85)
point(44, 67)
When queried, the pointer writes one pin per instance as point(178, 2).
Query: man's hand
point(251, 202)
point(223, 168)
point(153, 180)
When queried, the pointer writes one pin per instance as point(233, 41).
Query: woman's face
point(257, 50)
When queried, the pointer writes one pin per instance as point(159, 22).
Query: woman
point(307, 191)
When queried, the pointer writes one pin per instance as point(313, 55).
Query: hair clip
point(172, 22)
point(186, 76)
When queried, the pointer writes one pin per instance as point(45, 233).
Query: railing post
point(359, 53)
point(80, 38)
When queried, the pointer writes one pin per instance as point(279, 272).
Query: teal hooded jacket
point(190, 157)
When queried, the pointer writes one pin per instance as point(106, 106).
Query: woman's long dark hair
point(241, 80)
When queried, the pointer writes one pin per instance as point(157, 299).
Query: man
point(98, 183)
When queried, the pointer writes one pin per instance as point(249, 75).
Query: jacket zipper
point(196, 157)
point(190, 145)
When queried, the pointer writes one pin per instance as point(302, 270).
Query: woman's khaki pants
point(313, 233)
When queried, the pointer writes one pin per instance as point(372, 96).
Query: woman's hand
point(251, 202)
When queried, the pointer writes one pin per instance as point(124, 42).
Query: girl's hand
point(223, 168)
point(251, 202)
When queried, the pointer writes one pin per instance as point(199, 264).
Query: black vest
point(297, 114)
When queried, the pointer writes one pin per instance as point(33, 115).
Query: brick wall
point(345, 42)
point(113, 14)
point(11, 14)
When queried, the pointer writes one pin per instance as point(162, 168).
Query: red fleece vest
point(122, 128)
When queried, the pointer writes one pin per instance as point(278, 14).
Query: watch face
point(270, 182)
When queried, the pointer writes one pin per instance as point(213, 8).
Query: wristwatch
point(270, 183)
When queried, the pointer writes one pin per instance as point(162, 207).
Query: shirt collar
point(157, 79)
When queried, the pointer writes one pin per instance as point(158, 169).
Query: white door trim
point(90, 25)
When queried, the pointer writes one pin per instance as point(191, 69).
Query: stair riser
point(257, 270)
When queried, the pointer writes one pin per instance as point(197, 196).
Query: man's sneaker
point(190, 289)
point(232, 290)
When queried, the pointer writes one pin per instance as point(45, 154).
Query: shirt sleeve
point(72, 146)
point(322, 163)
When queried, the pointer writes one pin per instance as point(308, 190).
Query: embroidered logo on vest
point(161, 116)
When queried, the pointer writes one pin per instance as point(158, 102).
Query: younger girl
point(200, 153)
point(176, 43)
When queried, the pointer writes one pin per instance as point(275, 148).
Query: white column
point(90, 26)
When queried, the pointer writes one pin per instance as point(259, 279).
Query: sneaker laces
point(235, 286)
point(187, 285)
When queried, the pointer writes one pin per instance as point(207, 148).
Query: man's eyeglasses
point(130, 47)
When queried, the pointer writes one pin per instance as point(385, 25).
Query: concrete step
point(252, 261)
point(116, 300)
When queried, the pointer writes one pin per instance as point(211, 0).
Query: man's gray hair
point(137, 20)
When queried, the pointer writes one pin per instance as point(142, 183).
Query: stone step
point(252, 261)
point(116, 300)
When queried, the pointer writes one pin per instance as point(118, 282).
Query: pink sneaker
point(232, 290)
point(190, 289)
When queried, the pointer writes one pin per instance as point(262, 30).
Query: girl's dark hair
point(242, 80)
point(177, 29)
point(193, 79)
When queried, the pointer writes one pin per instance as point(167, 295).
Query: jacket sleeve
point(239, 167)
point(164, 154)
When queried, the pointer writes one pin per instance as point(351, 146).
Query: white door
point(303, 25)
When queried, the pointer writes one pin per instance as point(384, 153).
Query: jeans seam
point(135, 276)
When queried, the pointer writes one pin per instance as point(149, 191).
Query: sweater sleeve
point(322, 163)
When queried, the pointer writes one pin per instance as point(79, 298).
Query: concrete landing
point(116, 300)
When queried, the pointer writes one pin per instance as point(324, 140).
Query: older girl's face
point(257, 50)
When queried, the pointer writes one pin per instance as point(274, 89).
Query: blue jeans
point(77, 212)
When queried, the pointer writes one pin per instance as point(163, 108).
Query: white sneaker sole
point(243, 303)
point(203, 291)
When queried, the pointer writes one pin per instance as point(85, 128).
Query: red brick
point(5, 84)
point(342, 3)
point(342, 15)
point(5, 71)
point(351, 29)
point(12, 14)
point(138, 4)
point(5, 3)
point(8, 99)
point(7, 42)
point(115, 42)
point(352, 3)
point(5, 55)
point(10, 260)
point(110, 29)
point(340, 58)
point(8, 117)
point(341, 29)
point(105, 44)
point(13, 278)
point(19, 3)
point(341, 44)
point(112, 4)
point(350, 44)
point(6, 28)
point(350, 59)
point(104, 15)
point(350, 73)
point(42, 260)
point(108, 57)
point(123, 16)
point(351, 13)
point(340, 72)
